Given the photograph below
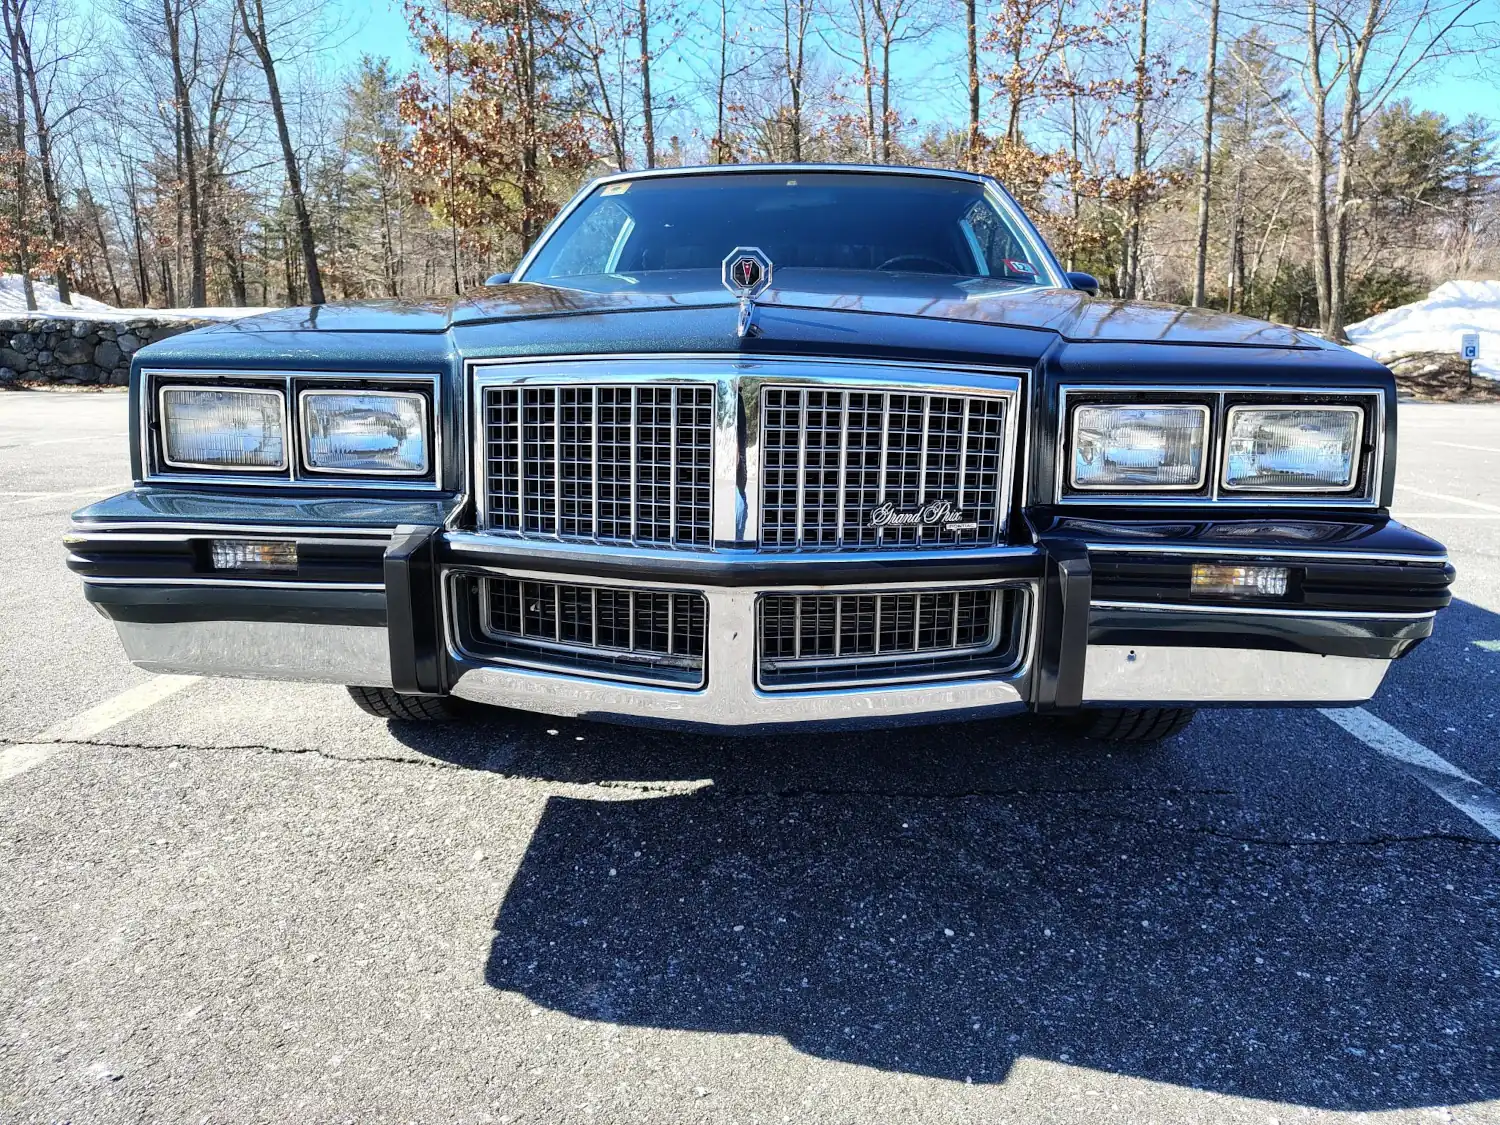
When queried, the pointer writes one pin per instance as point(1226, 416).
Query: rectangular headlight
point(378, 432)
point(1123, 447)
point(1293, 448)
point(213, 428)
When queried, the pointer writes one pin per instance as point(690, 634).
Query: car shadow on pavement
point(943, 902)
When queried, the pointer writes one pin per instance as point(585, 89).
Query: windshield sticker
point(616, 189)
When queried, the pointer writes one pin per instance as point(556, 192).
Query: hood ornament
point(746, 273)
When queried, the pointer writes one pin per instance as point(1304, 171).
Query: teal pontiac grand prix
point(760, 447)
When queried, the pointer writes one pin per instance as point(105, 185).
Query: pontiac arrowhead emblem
point(747, 272)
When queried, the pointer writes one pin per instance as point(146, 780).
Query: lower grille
point(598, 627)
point(817, 638)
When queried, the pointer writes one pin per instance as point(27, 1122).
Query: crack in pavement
point(713, 791)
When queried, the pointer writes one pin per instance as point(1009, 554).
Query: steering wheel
point(944, 267)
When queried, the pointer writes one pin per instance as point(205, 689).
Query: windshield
point(802, 220)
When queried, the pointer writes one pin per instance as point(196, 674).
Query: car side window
point(596, 246)
point(999, 252)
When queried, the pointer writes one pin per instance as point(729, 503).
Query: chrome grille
point(830, 458)
point(802, 630)
point(609, 463)
point(624, 625)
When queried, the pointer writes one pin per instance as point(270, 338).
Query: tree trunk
point(258, 40)
point(1318, 171)
point(530, 114)
point(721, 142)
point(971, 20)
point(13, 12)
point(198, 289)
point(98, 216)
point(794, 53)
point(885, 96)
point(648, 125)
point(50, 194)
point(1351, 127)
point(1234, 279)
point(1138, 148)
point(1206, 164)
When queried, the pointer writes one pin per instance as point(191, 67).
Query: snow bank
point(1435, 323)
point(13, 299)
point(13, 303)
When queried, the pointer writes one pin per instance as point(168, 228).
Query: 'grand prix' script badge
point(937, 513)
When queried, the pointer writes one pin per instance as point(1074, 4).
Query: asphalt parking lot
point(235, 902)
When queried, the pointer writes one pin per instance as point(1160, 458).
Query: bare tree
point(260, 40)
point(1206, 160)
point(1138, 153)
point(795, 18)
point(180, 20)
point(14, 12)
point(648, 115)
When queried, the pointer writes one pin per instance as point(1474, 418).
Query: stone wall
point(42, 349)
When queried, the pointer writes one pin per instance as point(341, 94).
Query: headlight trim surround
point(439, 476)
point(264, 471)
point(1370, 456)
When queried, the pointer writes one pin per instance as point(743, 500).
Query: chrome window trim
point(1205, 431)
point(315, 392)
point(736, 470)
point(1369, 498)
point(1332, 407)
point(993, 189)
point(287, 438)
point(290, 475)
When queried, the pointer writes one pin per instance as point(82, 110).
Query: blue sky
point(378, 27)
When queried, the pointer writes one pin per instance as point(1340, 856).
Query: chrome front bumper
point(1171, 654)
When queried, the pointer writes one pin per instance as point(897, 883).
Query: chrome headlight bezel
point(1370, 467)
point(1289, 407)
point(304, 436)
point(154, 467)
point(1205, 450)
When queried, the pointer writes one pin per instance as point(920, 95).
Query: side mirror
point(1086, 282)
point(497, 279)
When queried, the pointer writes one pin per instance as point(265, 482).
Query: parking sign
point(1469, 345)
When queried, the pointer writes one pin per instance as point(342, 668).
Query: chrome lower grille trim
point(820, 630)
point(646, 633)
point(612, 463)
point(825, 638)
point(865, 467)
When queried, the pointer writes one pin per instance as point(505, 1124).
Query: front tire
point(384, 703)
point(1133, 724)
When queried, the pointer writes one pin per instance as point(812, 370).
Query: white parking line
point(1464, 793)
point(1451, 499)
point(18, 759)
point(1475, 448)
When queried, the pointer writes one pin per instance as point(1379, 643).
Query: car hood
point(1072, 314)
